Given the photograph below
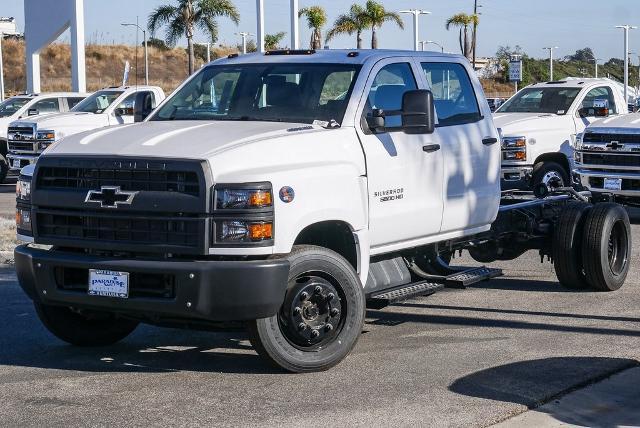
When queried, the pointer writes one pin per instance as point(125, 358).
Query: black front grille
point(128, 179)
point(15, 146)
point(21, 129)
point(593, 137)
point(144, 285)
point(611, 160)
point(98, 227)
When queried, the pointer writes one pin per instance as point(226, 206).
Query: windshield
point(300, 93)
point(541, 100)
point(97, 102)
point(12, 105)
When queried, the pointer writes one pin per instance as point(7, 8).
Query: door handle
point(430, 148)
point(489, 141)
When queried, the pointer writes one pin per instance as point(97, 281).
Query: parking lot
point(459, 358)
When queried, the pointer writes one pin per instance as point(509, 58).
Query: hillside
point(105, 66)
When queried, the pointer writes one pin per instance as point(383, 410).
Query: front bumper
point(516, 177)
point(202, 290)
point(17, 162)
point(593, 181)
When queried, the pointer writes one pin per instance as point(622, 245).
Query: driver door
point(404, 171)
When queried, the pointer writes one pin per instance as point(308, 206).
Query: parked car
point(29, 137)
point(539, 125)
point(30, 105)
point(258, 193)
point(494, 103)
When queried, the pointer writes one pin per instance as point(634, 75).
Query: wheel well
point(334, 235)
point(555, 157)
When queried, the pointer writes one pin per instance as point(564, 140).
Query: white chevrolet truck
point(29, 137)
point(289, 191)
point(539, 125)
point(607, 159)
point(29, 106)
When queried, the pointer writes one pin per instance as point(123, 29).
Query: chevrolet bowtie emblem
point(110, 197)
point(615, 145)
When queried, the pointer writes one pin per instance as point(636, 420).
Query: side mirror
point(143, 106)
point(33, 112)
point(593, 112)
point(418, 112)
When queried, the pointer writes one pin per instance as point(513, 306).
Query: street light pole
point(550, 49)
point(626, 29)
point(595, 61)
point(475, 30)
point(295, 25)
point(244, 36)
point(416, 13)
point(146, 55)
point(260, 26)
point(431, 42)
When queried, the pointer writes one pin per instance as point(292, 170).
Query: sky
point(568, 24)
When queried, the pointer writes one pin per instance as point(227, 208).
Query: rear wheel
point(606, 246)
point(322, 315)
point(84, 328)
point(567, 246)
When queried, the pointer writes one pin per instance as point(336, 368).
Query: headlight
point(577, 144)
point(244, 198)
point(23, 189)
point(514, 142)
point(46, 136)
point(515, 155)
point(239, 231)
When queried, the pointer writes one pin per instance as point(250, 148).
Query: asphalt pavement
point(8, 198)
point(467, 358)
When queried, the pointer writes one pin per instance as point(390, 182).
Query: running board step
point(401, 293)
point(471, 276)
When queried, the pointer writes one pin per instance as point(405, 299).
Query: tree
point(582, 55)
point(376, 15)
point(463, 21)
point(157, 43)
point(356, 21)
point(182, 19)
point(316, 19)
point(272, 41)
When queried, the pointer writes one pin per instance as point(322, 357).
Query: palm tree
point(182, 19)
point(464, 21)
point(272, 41)
point(316, 19)
point(356, 21)
point(376, 15)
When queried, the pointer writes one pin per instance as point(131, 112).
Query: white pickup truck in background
point(30, 105)
point(29, 137)
point(539, 125)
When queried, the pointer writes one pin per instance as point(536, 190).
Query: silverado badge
point(110, 197)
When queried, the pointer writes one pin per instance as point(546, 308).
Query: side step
point(401, 293)
point(470, 276)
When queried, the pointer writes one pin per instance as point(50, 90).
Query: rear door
point(404, 171)
point(470, 146)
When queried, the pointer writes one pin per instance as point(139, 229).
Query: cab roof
point(572, 82)
point(328, 56)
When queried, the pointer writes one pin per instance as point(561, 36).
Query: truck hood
point(65, 124)
point(524, 124)
point(625, 121)
point(176, 139)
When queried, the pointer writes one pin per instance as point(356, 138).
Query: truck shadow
point(536, 382)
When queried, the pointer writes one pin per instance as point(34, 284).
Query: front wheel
point(4, 169)
point(322, 315)
point(549, 173)
point(82, 328)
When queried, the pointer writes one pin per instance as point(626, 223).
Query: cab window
point(387, 89)
point(453, 95)
point(73, 101)
point(49, 105)
point(600, 97)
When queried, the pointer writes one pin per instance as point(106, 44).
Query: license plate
point(613, 184)
point(108, 283)
point(16, 163)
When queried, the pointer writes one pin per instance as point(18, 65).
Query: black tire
point(4, 169)
point(606, 246)
point(281, 341)
point(567, 246)
point(543, 171)
point(84, 329)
